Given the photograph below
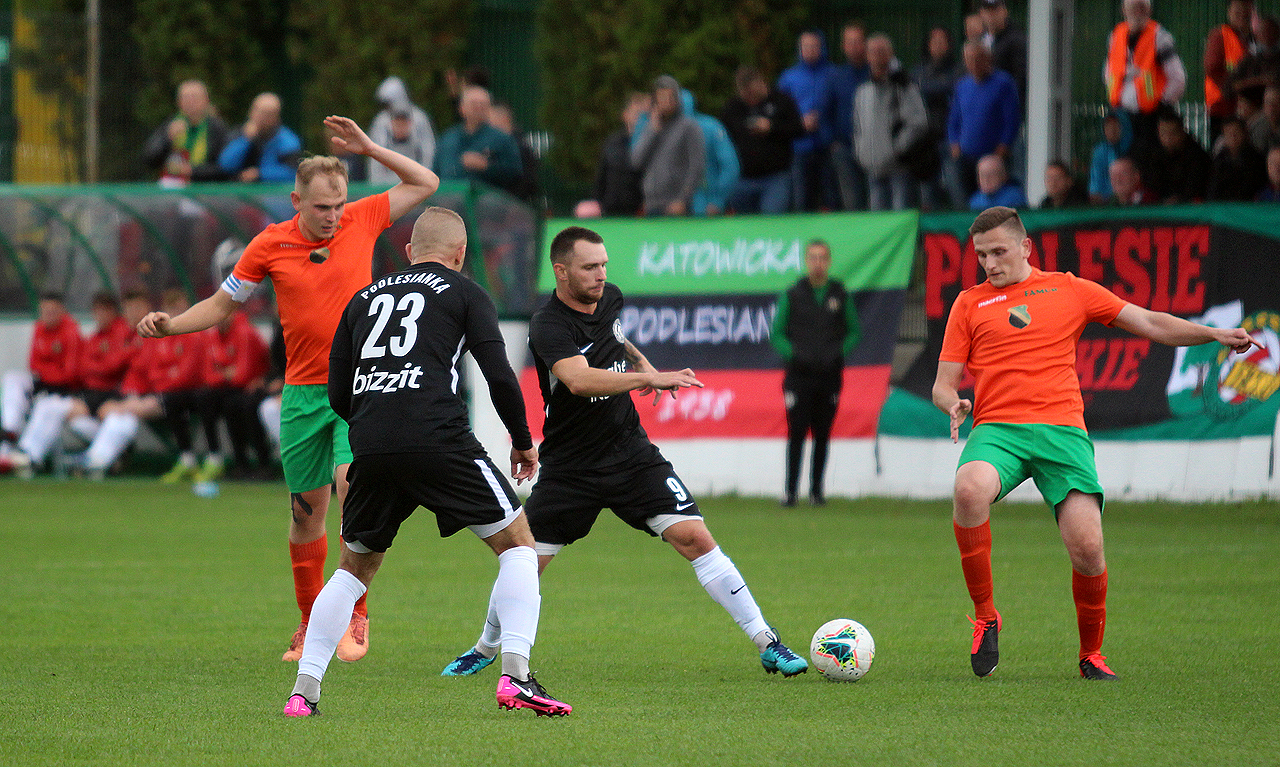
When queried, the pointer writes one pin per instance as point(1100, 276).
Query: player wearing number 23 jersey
point(393, 377)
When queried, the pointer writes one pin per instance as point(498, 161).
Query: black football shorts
point(461, 488)
point(565, 503)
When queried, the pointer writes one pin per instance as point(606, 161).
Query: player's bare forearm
point(1165, 328)
point(586, 381)
point(946, 395)
point(594, 382)
point(946, 385)
point(637, 359)
point(417, 181)
point(203, 315)
point(944, 398)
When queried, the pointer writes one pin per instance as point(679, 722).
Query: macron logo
point(990, 301)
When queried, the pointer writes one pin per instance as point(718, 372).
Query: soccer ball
point(842, 650)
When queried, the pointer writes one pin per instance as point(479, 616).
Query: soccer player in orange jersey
point(1017, 334)
point(316, 261)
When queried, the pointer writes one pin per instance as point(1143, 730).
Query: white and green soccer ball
point(842, 650)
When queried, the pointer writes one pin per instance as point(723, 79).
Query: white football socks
point(330, 616)
point(490, 635)
point(44, 425)
point(117, 431)
point(720, 577)
point(515, 601)
point(85, 426)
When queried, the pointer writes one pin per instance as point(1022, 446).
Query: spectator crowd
point(866, 133)
point(196, 145)
point(860, 133)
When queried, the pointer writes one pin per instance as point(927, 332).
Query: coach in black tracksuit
point(815, 328)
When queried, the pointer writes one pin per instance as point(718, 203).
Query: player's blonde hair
point(438, 231)
point(318, 165)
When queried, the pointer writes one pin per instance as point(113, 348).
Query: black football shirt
point(584, 432)
point(394, 365)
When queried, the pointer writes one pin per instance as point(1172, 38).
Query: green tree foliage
point(349, 46)
point(592, 53)
point(224, 44)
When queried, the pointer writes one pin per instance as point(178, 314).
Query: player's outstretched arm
point(205, 314)
point(586, 381)
point(417, 181)
point(946, 395)
point(1174, 331)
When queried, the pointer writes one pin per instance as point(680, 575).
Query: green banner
point(747, 254)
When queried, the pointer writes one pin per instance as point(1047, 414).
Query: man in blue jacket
point(985, 116)
point(845, 79)
point(264, 149)
point(808, 81)
point(474, 149)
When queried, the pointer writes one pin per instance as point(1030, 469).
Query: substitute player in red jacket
point(163, 382)
point(51, 366)
point(103, 360)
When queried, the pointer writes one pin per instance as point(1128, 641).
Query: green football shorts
point(1059, 458)
point(313, 439)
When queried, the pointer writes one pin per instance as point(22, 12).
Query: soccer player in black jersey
point(595, 454)
point(393, 377)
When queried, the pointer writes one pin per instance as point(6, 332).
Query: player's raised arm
point(204, 314)
point(586, 381)
point(417, 181)
point(946, 395)
point(1174, 331)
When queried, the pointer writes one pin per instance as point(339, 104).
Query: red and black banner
point(702, 294)
point(1215, 264)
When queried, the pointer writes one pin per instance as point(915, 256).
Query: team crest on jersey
point(1019, 317)
point(833, 304)
point(617, 331)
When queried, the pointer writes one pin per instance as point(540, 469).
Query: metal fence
point(78, 240)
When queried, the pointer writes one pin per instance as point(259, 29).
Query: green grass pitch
point(144, 626)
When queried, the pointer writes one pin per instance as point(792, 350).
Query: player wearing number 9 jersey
point(316, 261)
point(596, 455)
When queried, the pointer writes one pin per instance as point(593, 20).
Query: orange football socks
point(1090, 594)
point(308, 571)
point(975, 561)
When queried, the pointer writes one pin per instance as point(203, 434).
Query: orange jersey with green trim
point(1019, 342)
point(311, 296)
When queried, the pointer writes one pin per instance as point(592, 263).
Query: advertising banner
point(702, 293)
point(1214, 264)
